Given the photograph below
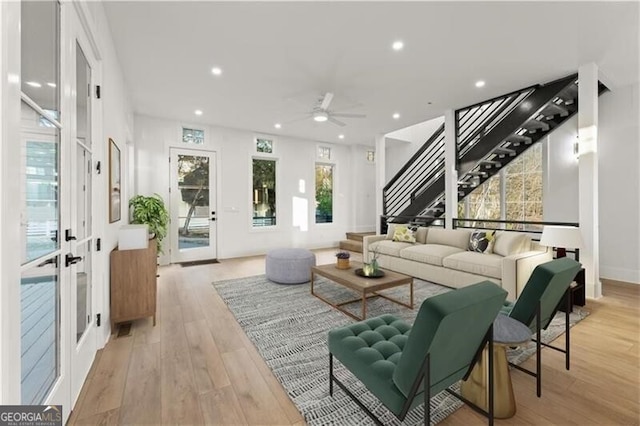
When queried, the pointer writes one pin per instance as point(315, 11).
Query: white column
point(588, 176)
point(451, 173)
point(381, 147)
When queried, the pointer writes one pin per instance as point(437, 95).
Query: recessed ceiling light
point(340, 136)
point(396, 115)
point(216, 70)
point(480, 83)
point(198, 112)
point(34, 84)
point(397, 45)
point(277, 125)
point(51, 84)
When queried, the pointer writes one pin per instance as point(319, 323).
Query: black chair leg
point(427, 394)
point(330, 374)
point(538, 353)
point(491, 403)
point(567, 341)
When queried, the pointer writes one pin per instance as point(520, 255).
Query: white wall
point(403, 143)
point(619, 189)
point(619, 181)
point(560, 174)
point(117, 124)
point(353, 185)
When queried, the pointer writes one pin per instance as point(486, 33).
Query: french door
point(193, 205)
point(56, 202)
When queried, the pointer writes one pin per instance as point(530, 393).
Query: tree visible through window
point(523, 192)
point(264, 192)
point(324, 193)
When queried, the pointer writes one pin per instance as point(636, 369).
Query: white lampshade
point(561, 236)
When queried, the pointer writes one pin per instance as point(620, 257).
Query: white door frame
point(73, 21)
point(209, 252)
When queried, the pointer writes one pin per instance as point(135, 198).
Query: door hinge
point(98, 166)
point(98, 320)
point(98, 91)
point(98, 244)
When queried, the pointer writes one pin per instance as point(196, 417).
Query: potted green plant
point(151, 211)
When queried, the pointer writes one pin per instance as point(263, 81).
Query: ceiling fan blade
point(295, 120)
point(337, 122)
point(326, 101)
point(347, 115)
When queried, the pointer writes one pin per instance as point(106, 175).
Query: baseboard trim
point(626, 275)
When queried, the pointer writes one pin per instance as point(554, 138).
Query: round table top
point(509, 331)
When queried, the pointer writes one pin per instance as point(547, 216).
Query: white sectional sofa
point(442, 256)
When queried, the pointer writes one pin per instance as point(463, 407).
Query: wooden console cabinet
point(133, 284)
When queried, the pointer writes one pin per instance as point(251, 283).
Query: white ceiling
point(279, 58)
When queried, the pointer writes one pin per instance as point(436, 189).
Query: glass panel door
point(193, 214)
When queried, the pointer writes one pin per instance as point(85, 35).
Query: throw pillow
point(403, 234)
point(482, 241)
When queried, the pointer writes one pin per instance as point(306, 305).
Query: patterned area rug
point(289, 328)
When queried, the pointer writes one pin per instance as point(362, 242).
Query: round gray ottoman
point(290, 265)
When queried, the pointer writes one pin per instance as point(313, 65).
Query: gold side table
point(506, 332)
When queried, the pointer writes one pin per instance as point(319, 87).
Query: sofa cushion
point(421, 234)
point(481, 241)
point(449, 237)
point(403, 234)
point(487, 265)
point(508, 243)
point(428, 253)
point(391, 248)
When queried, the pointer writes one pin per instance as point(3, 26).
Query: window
point(324, 153)
point(193, 136)
point(484, 201)
point(522, 179)
point(264, 145)
point(264, 192)
point(523, 186)
point(324, 193)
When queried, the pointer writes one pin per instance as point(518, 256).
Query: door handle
point(51, 261)
point(68, 236)
point(70, 259)
point(213, 216)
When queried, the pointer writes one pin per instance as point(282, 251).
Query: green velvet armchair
point(394, 360)
point(538, 303)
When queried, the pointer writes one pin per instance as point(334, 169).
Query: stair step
point(351, 245)
point(358, 236)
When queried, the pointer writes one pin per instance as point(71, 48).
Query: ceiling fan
point(322, 113)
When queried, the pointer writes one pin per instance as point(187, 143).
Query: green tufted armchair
point(394, 360)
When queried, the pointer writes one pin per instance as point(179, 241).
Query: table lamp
point(561, 237)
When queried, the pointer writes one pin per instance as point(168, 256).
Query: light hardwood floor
point(196, 366)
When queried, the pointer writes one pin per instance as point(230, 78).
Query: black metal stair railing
point(489, 135)
point(420, 171)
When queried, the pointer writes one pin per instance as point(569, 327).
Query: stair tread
point(358, 236)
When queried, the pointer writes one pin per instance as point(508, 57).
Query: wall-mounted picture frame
point(115, 190)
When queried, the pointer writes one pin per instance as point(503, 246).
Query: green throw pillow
point(403, 234)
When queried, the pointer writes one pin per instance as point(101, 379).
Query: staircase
point(489, 136)
point(354, 241)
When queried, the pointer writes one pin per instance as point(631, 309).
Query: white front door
point(193, 205)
